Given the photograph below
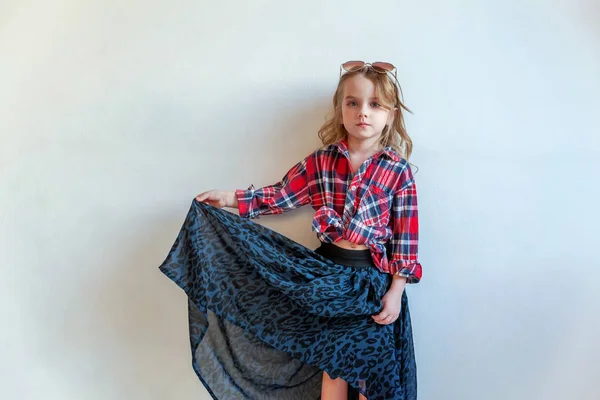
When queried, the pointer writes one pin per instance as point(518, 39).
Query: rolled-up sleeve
point(404, 244)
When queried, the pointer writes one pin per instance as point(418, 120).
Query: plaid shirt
point(376, 206)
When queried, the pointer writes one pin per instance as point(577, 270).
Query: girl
point(271, 319)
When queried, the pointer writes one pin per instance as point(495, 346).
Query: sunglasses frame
point(381, 67)
point(378, 66)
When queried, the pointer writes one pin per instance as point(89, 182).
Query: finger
point(384, 318)
point(380, 317)
point(380, 322)
point(383, 315)
point(202, 196)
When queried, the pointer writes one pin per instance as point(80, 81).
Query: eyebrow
point(352, 97)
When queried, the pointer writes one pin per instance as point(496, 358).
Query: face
point(363, 115)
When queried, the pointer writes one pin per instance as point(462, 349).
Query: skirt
point(267, 315)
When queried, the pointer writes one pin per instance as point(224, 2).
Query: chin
point(362, 135)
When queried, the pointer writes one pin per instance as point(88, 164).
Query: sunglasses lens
point(350, 65)
point(383, 66)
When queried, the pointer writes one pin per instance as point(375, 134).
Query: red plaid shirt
point(376, 206)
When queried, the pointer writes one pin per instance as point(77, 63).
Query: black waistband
point(351, 258)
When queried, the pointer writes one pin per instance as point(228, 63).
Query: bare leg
point(333, 389)
point(361, 397)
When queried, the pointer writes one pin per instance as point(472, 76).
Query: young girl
point(271, 319)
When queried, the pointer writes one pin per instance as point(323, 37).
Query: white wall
point(115, 114)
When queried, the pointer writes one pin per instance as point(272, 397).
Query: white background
point(115, 114)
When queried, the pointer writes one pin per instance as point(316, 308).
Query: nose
point(363, 111)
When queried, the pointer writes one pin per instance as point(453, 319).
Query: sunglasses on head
point(379, 66)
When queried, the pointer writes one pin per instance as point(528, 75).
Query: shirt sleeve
point(289, 193)
point(405, 231)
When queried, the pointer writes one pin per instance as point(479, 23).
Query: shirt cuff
point(411, 270)
point(244, 199)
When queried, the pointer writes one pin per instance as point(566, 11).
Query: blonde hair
point(390, 95)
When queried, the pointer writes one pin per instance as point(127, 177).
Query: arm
point(289, 193)
point(402, 264)
point(403, 257)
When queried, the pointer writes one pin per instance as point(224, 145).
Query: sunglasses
point(379, 66)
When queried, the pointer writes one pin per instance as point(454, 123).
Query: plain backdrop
point(115, 114)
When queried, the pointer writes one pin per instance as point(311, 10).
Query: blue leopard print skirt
point(267, 315)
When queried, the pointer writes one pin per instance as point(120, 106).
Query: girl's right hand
point(218, 198)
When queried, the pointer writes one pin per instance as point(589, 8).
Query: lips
point(362, 124)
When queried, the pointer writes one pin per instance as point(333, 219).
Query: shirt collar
point(388, 151)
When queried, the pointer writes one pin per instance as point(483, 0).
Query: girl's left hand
point(392, 303)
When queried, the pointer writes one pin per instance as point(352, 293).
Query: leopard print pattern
point(267, 315)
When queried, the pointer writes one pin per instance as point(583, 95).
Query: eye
point(351, 103)
point(375, 104)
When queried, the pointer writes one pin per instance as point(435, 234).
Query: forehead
point(359, 86)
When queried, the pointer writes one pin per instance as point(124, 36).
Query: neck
point(365, 148)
